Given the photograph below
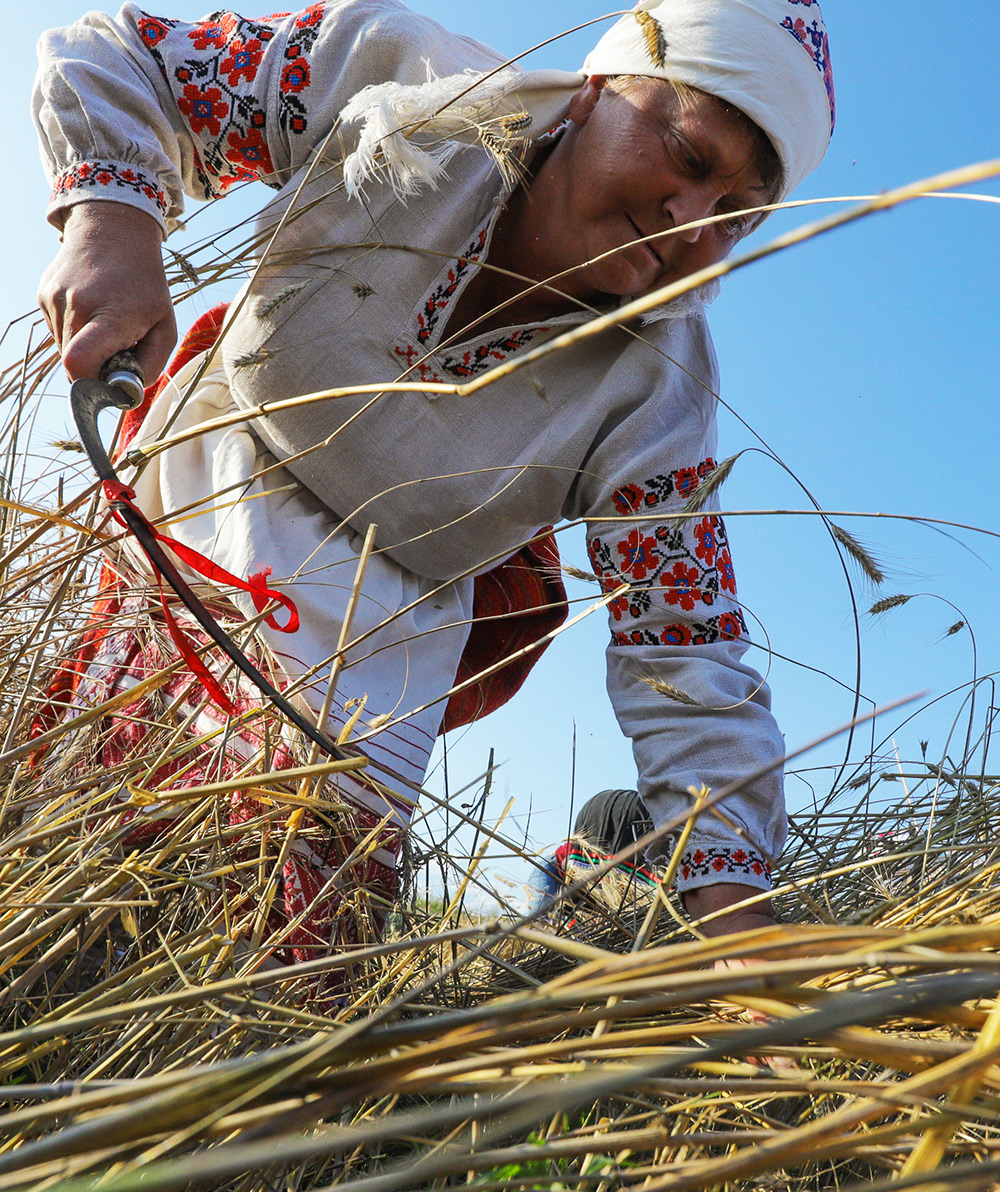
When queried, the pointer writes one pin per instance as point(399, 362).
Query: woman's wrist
point(96, 216)
point(727, 908)
point(106, 289)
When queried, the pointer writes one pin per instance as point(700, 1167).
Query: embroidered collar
point(420, 349)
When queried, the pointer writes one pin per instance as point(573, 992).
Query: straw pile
point(153, 1033)
point(152, 1052)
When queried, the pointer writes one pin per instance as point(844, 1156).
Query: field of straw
point(154, 1033)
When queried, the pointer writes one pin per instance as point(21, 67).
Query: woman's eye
point(734, 225)
point(684, 154)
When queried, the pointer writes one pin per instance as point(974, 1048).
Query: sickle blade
point(121, 389)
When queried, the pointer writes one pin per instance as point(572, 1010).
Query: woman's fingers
point(102, 334)
point(106, 290)
point(756, 1016)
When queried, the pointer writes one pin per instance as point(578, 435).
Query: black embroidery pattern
point(723, 628)
point(474, 360)
point(440, 295)
point(469, 362)
point(720, 862)
point(109, 175)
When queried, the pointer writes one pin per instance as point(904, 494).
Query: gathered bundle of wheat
point(626, 1070)
point(160, 1029)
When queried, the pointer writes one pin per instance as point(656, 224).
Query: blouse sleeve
point(141, 109)
point(696, 713)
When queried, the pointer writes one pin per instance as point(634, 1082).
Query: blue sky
point(867, 360)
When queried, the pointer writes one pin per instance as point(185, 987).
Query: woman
point(608, 823)
point(397, 251)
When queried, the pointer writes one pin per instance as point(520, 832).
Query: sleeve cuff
point(118, 182)
point(709, 863)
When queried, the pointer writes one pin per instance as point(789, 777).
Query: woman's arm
point(723, 902)
point(134, 112)
point(696, 714)
point(107, 290)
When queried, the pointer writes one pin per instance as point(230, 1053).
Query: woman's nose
point(688, 207)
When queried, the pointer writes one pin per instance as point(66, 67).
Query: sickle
point(121, 386)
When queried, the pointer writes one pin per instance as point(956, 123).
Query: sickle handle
point(123, 372)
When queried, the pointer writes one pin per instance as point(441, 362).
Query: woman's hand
point(106, 290)
point(704, 900)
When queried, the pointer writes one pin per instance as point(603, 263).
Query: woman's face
point(640, 162)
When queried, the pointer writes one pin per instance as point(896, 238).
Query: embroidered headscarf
point(769, 58)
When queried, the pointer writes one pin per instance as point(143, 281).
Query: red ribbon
point(120, 494)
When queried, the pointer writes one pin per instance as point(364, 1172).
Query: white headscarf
point(769, 58)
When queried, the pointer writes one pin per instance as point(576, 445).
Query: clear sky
point(866, 360)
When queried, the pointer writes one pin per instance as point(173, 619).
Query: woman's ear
point(585, 100)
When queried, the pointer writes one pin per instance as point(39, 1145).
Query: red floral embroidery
point(204, 109)
point(686, 481)
point(437, 299)
point(730, 626)
point(295, 76)
point(153, 31)
point(727, 577)
point(680, 587)
point(214, 33)
point(249, 152)
point(639, 555)
point(707, 539)
point(88, 175)
point(814, 40)
point(473, 361)
point(628, 498)
point(243, 61)
point(309, 17)
point(296, 122)
point(724, 627)
point(469, 362)
point(689, 565)
point(214, 67)
point(618, 607)
point(412, 358)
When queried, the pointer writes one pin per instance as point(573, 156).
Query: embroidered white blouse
point(618, 429)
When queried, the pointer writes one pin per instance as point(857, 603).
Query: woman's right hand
point(106, 290)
